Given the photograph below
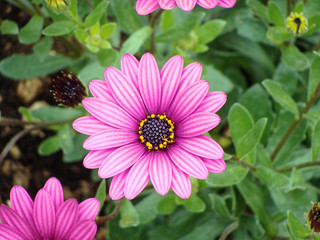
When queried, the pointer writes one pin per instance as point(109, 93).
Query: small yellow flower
point(57, 4)
point(297, 23)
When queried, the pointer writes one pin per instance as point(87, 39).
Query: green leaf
point(259, 9)
point(295, 59)
point(271, 178)
point(107, 57)
point(218, 204)
point(31, 32)
point(296, 227)
point(252, 138)
point(240, 122)
point(81, 34)
point(21, 67)
point(136, 41)
point(49, 146)
point(296, 181)
point(194, 204)
point(147, 208)
point(299, 7)
point(314, 76)
point(251, 223)
point(287, 77)
point(233, 174)
point(96, 14)
point(42, 48)
point(107, 30)
point(280, 96)
point(278, 34)
point(78, 151)
point(65, 139)
point(53, 114)
point(315, 143)
point(126, 16)
point(217, 80)
point(25, 112)
point(210, 30)
point(167, 205)
point(181, 30)
point(129, 215)
point(101, 193)
point(59, 28)
point(275, 14)
point(93, 70)
point(9, 27)
point(167, 20)
point(251, 28)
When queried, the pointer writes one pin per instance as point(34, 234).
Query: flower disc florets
point(297, 23)
point(156, 132)
point(314, 217)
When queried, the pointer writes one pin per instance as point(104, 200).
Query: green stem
point(112, 215)
point(299, 166)
point(242, 163)
point(295, 123)
point(26, 8)
point(233, 226)
point(153, 22)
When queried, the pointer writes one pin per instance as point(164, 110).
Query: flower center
point(156, 132)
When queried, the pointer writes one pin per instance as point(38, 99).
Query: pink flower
point(49, 216)
point(147, 125)
point(145, 7)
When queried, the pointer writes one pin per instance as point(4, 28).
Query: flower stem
point(112, 215)
point(153, 21)
point(295, 123)
point(233, 226)
point(299, 166)
point(242, 163)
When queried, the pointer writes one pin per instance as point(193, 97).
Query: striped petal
point(88, 209)
point(89, 125)
point(10, 233)
point(94, 159)
point(181, 183)
point(215, 166)
point(109, 113)
point(187, 162)
point(160, 172)
point(124, 91)
point(121, 159)
point(212, 102)
point(54, 188)
point(207, 3)
point(167, 4)
point(149, 82)
point(66, 218)
point(11, 218)
point(110, 139)
point(116, 190)
point(85, 230)
point(186, 5)
point(130, 67)
point(197, 124)
point(202, 146)
point(99, 89)
point(226, 3)
point(170, 79)
point(44, 214)
point(145, 7)
point(138, 177)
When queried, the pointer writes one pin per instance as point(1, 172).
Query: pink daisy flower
point(148, 125)
point(145, 7)
point(49, 216)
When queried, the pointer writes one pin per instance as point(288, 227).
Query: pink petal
point(145, 7)
point(186, 5)
point(44, 214)
point(110, 113)
point(212, 102)
point(187, 162)
point(88, 209)
point(85, 230)
point(124, 91)
point(54, 188)
point(170, 78)
point(207, 3)
point(22, 204)
point(215, 166)
point(160, 172)
point(130, 67)
point(181, 183)
point(202, 146)
point(226, 3)
point(138, 177)
point(99, 89)
point(110, 139)
point(167, 4)
point(89, 125)
point(11, 218)
point(121, 159)
point(197, 124)
point(189, 101)
point(149, 82)
point(116, 189)
point(10, 233)
point(94, 159)
point(66, 218)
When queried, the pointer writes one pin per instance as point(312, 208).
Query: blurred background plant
point(263, 54)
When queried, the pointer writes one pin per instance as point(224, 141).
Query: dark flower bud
point(314, 218)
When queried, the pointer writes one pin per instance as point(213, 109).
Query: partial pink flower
point(49, 216)
point(147, 125)
point(145, 7)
